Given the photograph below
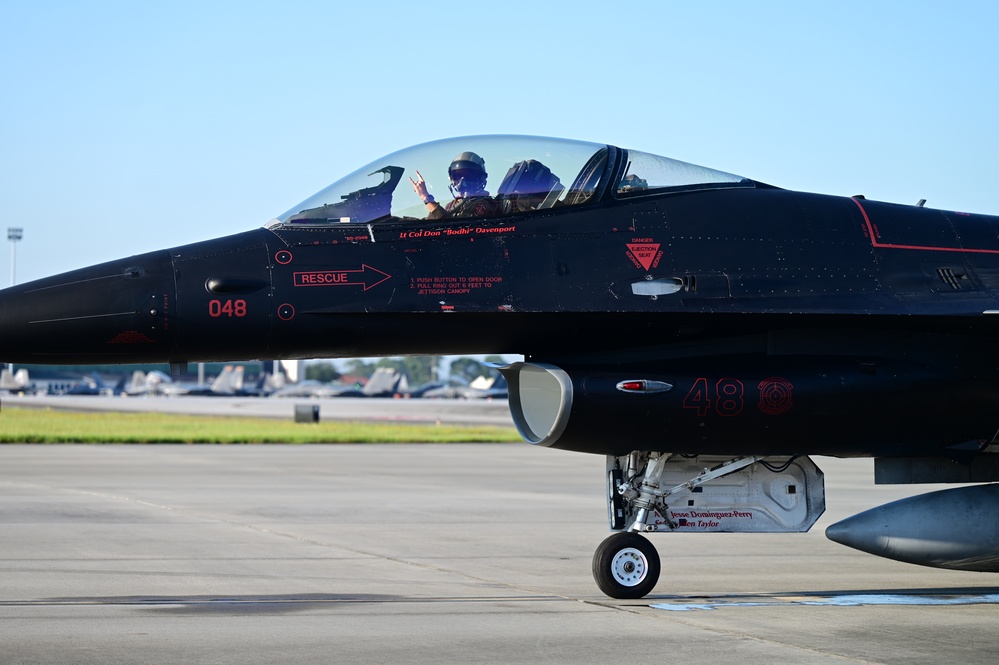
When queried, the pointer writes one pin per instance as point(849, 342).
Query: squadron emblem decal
point(775, 395)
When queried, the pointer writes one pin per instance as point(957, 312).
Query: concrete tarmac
point(430, 554)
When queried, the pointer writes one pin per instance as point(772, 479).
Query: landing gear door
point(776, 494)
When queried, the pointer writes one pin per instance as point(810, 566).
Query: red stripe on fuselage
point(923, 248)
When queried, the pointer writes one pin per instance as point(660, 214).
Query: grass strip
point(49, 426)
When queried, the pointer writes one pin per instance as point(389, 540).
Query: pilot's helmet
point(468, 173)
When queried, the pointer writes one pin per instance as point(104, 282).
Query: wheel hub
point(629, 567)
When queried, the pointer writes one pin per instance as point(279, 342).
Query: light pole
point(13, 235)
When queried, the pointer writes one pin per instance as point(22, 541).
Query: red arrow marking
point(366, 277)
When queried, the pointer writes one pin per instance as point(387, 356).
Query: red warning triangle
point(643, 253)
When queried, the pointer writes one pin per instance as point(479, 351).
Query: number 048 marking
point(230, 308)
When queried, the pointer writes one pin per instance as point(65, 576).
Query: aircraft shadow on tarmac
point(290, 603)
point(270, 603)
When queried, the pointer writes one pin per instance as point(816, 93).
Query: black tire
point(626, 565)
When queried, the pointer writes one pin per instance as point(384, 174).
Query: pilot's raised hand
point(420, 187)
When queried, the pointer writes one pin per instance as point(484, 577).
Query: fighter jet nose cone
point(103, 314)
point(14, 333)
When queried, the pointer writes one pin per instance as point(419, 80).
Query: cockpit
point(522, 174)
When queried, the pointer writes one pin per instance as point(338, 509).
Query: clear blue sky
point(129, 126)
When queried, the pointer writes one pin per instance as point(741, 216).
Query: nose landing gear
point(778, 494)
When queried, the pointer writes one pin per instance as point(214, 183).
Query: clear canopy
point(523, 173)
point(645, 172)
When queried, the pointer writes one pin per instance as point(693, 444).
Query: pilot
point(467, 174)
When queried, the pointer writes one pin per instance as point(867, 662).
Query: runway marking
point(846, 600)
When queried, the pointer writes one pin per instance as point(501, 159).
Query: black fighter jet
point(703, 331)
